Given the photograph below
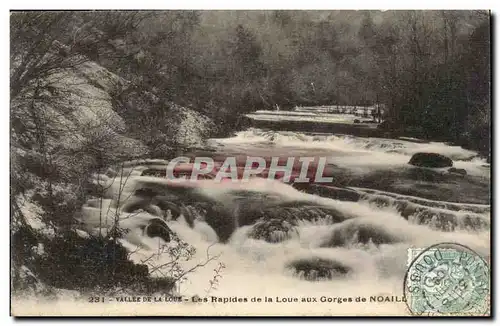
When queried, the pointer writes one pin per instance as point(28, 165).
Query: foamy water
point(363, 242)
point(375, 152)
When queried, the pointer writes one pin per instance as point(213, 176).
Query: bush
point(71, 262)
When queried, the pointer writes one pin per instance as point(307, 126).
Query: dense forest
point(431, 69)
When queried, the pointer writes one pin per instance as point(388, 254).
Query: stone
point(430, 160)
point(457, 171)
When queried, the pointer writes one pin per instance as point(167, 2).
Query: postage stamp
point(447, 279)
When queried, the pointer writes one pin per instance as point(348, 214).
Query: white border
point(254, 4)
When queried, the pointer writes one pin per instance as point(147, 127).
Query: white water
point(376, 152)
point(369, 237)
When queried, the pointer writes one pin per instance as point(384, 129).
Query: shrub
point(72, 262)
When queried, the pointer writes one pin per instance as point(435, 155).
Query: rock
point(414, 140)
point(457, 171)
point(158, 228)
point(154, 172)
point(338, 193)
point(430, 160)
point(192, 127)
point(273, 230)
point(356, 232)
point(315, 268)
point(165, 206)
point(388, 125)
point(356, 121)
point(146, 192)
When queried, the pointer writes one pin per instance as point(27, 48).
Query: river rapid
point(346, 239)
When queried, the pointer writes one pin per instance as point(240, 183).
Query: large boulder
point(158, 228)
point(171, 128)
point(77, 106)
point(430, 160)
point(273, 230)
point(457, 171)
point(316, 269)
point(192, 127)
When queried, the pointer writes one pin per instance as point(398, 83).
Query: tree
point(51, 83)
point(245, 52)
point(37, 47)
point(367, 30)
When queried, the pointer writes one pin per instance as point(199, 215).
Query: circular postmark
point(447, 279)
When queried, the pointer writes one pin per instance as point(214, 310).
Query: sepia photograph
point(250, 163)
